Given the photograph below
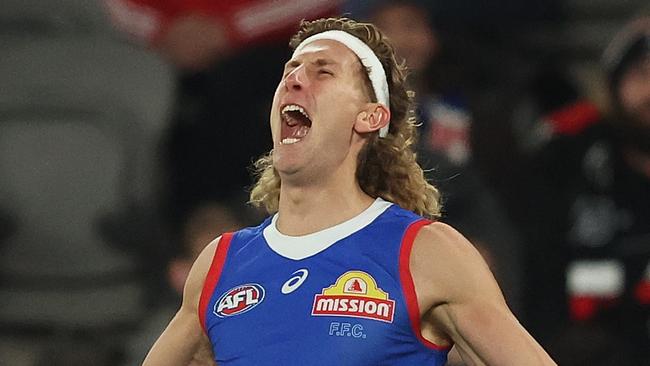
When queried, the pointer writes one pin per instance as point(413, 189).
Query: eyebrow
point(325, 62)
point(291, 64)
point(318, 62)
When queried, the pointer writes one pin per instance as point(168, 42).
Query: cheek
point(276, 98)
point(343, 115)
point(338, 133)
point(274, 117)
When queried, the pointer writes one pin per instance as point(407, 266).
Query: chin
point(285, 165)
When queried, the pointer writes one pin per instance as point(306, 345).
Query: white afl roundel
point(239, 300)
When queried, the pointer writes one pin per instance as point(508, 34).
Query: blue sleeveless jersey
point(348, 300)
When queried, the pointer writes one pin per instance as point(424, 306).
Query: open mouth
point(295, 124)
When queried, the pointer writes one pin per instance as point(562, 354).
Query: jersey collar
point(301, 247)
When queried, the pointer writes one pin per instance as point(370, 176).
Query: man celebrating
point(346, 271)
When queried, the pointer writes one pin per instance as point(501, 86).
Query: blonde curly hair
point(386, 167)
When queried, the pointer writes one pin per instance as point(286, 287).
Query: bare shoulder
point(447, 266)
point(196, 277)
point(460, 302)
point(439, 237)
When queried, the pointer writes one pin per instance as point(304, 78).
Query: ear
point(372, 118)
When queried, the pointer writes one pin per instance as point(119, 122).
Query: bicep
point(486, 333)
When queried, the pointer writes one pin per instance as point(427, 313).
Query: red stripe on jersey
point(409, 287)
point(213, 275)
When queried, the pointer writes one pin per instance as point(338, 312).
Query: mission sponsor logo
point(355, 294)
point(239, 300)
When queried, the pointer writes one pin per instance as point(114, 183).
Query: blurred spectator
point(206, 223)
point(196, 34)
point(434, 74)
point(444, 146)
point(230, 56)
point(551, 105)
point(591, 221)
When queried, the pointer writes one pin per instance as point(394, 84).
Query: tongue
point(300, 132)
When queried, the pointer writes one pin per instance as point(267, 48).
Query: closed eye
point(325, 71)
point(287, 71)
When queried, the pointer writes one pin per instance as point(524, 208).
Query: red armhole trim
point(212, 277)
point(408, 286)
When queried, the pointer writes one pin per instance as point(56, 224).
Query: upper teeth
point(295, 107)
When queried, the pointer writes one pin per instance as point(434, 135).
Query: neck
point(305, 209)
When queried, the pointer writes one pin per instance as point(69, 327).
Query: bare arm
point(460, 302)
point(183, 340)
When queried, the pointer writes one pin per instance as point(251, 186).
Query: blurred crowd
point(129, 127)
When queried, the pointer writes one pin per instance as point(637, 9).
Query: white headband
point(368, 59)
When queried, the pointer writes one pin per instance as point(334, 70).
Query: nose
point(297, 79)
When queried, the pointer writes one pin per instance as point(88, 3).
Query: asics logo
point(298, 277)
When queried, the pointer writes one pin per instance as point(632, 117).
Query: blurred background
point(127, 129)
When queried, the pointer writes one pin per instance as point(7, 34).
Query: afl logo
point(239, 300)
